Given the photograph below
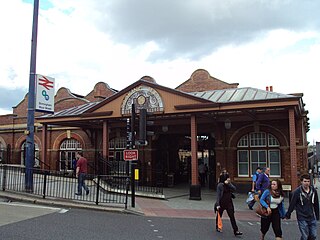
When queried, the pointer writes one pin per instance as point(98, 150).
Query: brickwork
point(201, 80)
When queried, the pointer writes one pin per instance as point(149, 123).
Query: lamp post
point(31, 102)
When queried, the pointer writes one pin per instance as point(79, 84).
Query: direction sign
point(130, 154)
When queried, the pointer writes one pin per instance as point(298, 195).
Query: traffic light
point(143, 123)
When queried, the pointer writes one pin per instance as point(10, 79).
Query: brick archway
point(63, 136)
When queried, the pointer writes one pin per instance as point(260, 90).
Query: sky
point(255, 43)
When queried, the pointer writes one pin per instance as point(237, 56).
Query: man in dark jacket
point(263, 181)
point(306, 203)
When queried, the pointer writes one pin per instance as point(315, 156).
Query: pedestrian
point(202, 172)
point(272, 199)
point(263, 181)
point(224, 201)
point(254, 190)
point(74, 166)
point(81, 173)
point(306, 203)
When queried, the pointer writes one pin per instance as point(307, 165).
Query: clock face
point(141, 100)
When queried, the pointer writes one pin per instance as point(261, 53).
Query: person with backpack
point(255, 177)
point(306, 203)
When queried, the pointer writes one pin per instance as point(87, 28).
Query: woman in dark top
point(224, 201)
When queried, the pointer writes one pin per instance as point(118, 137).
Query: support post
point(195, 188)
point(31, 103)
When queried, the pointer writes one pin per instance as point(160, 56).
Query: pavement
point(175, 205)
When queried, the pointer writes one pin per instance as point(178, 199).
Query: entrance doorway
point(173, 158)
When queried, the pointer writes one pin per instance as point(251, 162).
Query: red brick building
point(202, 120)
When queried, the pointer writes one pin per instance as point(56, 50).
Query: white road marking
point(61, 210)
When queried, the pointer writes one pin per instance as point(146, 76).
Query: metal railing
point(105, 189)
point(150, 181)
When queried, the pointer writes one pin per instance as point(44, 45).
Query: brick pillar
point(195, 188)
point(105, 140)
point(293, 150)
point(44, 147)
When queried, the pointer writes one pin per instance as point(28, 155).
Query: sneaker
point(250, 207)
point(219, 230)
point(78, 194)
point(87, 192)
point(237, 233)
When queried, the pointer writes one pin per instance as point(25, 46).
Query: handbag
point(262, 211)
point(219, 222)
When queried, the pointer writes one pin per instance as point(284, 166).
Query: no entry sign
point(130, 154)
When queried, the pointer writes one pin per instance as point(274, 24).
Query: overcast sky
point(255, 43)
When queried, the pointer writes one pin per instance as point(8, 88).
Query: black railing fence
point(107, 189)
point(150, 181)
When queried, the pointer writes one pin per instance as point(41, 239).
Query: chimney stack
point(267, 88)
point(271, 88)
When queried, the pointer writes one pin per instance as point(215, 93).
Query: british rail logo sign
point(44, 93)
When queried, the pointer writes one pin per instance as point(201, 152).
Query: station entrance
point(172, 157)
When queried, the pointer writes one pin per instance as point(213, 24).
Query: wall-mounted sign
point(44, 93)
point(142, 97)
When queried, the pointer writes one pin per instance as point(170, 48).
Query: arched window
point(36, 155)
point(68, 149)
point(258, 149)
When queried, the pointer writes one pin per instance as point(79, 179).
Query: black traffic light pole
point(132, 133)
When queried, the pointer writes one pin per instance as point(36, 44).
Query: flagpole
point(29, 163)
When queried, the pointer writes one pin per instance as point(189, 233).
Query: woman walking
point(272, 199)
point(224, 201)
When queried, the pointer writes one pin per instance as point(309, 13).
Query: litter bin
point(170, 180)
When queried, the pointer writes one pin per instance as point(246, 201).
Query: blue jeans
point(308, 229)
point(81, 182)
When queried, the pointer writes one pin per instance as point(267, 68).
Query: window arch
point(258, 149)
point(68, 149)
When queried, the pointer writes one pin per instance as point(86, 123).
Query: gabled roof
point(240, 95)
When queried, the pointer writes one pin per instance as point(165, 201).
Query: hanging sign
point(44, 93)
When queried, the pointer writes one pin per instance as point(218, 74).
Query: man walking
point(255, 177)
point(81, 172)
point(306, 203)
point(263, 181)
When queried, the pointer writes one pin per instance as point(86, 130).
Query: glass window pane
point(243, 156)
point(243, 163)
point(243, 169)
point(254, 156)
point(274, 156)
point(273, 141)
point(262, 156)
point(274, 169)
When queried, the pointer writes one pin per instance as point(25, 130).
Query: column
point(195, 188)
point(293, 150)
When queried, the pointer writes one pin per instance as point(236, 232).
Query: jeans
point(81, 182)
point(308, 229)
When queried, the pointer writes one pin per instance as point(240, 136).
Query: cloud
point(193, 29)
point(250, 42)
point(11, 98)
